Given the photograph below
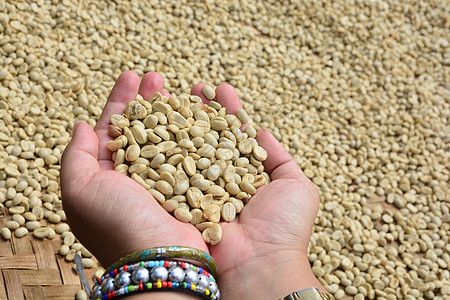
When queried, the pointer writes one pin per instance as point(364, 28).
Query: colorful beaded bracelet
point(167, 252)
point(156, 275)
point(155, 263)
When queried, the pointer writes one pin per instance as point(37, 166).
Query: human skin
point(262, 254)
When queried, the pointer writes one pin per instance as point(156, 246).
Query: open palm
point(108, 212)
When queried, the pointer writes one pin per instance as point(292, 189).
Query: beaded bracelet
point(156, 274)
point(167, 252)
point(155, 263)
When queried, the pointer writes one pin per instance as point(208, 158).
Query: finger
point(151, 83)
point(279, 163)
point(197, 90)
point(165, 93)
point(124, 91)
point(79, 160)
point(227, 96)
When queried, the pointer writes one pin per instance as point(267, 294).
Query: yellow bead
point(159, 284)
point(192, 286)
point(206, 292)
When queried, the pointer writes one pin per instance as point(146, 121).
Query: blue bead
point(161, 263)
point(200, 270)
point(151, 264)
point(125, 289)
point(188, 285)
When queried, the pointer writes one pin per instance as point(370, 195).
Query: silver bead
point(176, 274)
point(108, 285)
point(218, 294)
point(191, 276)
point(159, 273)
point(203, 280)
point(122, 279)
point(213, 286)
point(200, 289)
point(141, 275)
point(96, 292)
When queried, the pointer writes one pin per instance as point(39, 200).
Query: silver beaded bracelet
point(156, 275)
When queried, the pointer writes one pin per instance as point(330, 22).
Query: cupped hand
point(109, 213)
point(263, 253)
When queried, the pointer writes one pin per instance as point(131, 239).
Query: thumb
point(279, 163)
point(79, 160)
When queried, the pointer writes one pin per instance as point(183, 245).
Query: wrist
point(269, 278)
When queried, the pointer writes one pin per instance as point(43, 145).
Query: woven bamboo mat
point(31, 268)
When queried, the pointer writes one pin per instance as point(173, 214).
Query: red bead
point(125, 268)
point(109, 295)
point(164, 284)
point(141, 286)
point(206, 273)
point(166, 263)
point(169, 284)
point(115, 272)
point(154, 285)
point(183, 264)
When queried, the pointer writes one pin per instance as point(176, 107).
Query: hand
point(110, 213)
point(263, 253)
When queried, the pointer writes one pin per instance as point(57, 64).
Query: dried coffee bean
point(212, 235)
point(183, 215)
point(228, 212)
point(208, 91)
